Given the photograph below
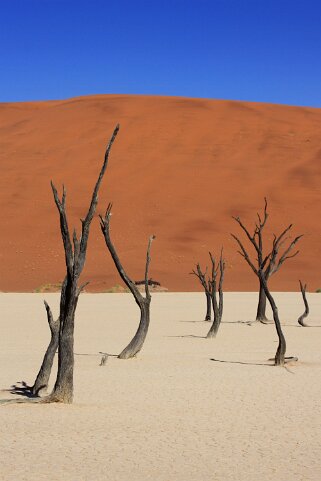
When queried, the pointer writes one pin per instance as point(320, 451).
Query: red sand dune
point(179, 169)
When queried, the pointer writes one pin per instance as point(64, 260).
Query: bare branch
point(76, 250)
point(264, 261)
point(212, 281)
point(105, 227)
point(256, 238)
point(202, 277)
point(266, 215)
point(222, 269)
point(82, 287)
point(245, 254)
point(91, 211)
point(152, 237)
point(277, 240)
point(276, 265)
point(51, 321)
point(64, 227)
point(248, 235)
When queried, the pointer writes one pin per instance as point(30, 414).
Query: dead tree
point(143, 303)
point(202, 278)
point(210, 287)
point(269, 262)
point(306, 305)
point(75, 256)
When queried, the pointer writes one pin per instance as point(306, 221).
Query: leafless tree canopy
point(268, 262)
point(212, 285)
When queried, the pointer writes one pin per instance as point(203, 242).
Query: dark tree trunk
point(63, 389)
point(216, 321)
point(306, 305)
point(261, 307)
point(143, 302)
point(138, 340)
point(280, 353)
point(42, 379)
point(217, 306)
point(208, 306)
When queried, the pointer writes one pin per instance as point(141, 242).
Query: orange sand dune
point(179, 169)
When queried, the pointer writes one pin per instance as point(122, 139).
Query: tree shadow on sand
point(297, 325)
point(243, 362)
point(246, 323)
point(270, 362)
point(190, 335)
point(201, 320)
point(21, 388)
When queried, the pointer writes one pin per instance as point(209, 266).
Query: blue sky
point(263, 50)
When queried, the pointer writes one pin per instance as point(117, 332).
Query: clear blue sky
point(258, 50)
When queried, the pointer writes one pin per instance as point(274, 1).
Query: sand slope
point(180, 169)
point(172, 413)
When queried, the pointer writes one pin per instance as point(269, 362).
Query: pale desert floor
point(173, 413)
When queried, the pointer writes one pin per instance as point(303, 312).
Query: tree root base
point(260, 321)
point(287, 360)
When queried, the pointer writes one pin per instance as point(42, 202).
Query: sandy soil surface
point(173, 413)
point(179, 169)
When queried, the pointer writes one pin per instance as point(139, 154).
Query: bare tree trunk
point(143, 303)
point(138, 340)
point(216, 321)
point(42, 379)
point(208, 306)
point(306, 305)
point(280, 353)
point(64, 386)
point(261, 308)
point(217, 306)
